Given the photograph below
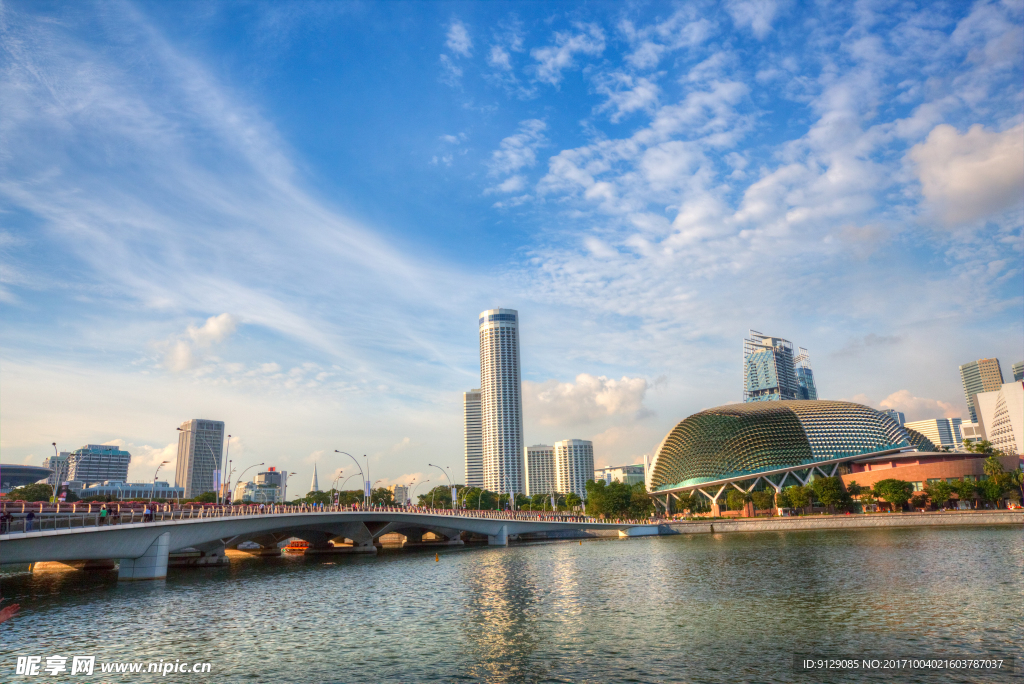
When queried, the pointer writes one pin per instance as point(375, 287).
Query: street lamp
point(243, 473)
point(449, 483)
point(227, 452)
point(360, 470)
point(55, 483)
point(340, 473)
point(413, 495)
point(162, 464)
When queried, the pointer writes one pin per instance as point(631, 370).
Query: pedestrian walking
point(29, 519)
point(103, 514)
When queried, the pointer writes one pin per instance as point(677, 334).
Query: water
point(700, 608)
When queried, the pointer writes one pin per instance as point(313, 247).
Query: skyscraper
point(200, 447)
point(98, 463)
point(804, 375)
point(501, 406)
point(942, 432)
point(769, 373)
point(539, 467)
point(983, 375)
point(574, 466)
point(898, 416)
point(314, 486)
point(474, 449)
point(1018, 371)
point(59, 465)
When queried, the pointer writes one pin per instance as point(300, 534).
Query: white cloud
point(626, 94)
point(918, 408)
point(970, 176)
point(458, 40)
point(554, 59)
point(499, 58)
point(184, 353)
point(215, 330)
point(147, 459)
point(684, 29)
point(589, 398)
point(516, 152)
point(451, 73)
point(757, 15)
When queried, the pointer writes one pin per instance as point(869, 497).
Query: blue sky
point(288, 215)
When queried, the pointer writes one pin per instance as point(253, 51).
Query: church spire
point(315, 486)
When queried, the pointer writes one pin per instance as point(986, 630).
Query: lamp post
point(55, 483)
point(244, 472)
point(162, 464)
point(365, 481)
point(340, 473)
point(227, 452)
point(449, 483)
point(411, 496)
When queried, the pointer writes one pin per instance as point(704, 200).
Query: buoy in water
point(437, 558)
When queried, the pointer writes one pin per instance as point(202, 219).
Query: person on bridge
point(103, 514)
point(29, 519)
point(5, 522)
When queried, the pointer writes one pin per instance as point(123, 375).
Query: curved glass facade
point(741, 439)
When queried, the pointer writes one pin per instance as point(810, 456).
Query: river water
point(689, 608)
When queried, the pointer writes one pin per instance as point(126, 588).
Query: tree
point(939, 492)
point(867, 499)
point(896, 492)
point(798, 496)
point(918, 500)
point(438, 497)
point(640, 505)
point(382, 496)
point(736, 499)
point(206, 497)
point(685, 502)
point(829, 491)
point(763, 499)
point(964, 490)
point(572, 500)
point(993, 468)
point(32, 492)
point(982, 447)
point(853, 488)
point(992, 488)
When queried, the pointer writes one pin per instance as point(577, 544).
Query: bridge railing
point(33, 517)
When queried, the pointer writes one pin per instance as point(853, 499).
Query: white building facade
point(501, 406)
point(539, 466)
point(1001, 417)
point(200, 449)
point(574, 466)
point(473, 438)
point(943, 432)
point(627, 474)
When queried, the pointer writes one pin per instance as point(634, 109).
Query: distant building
point(474, 447)
point(628, 474)
point(983, 375)
point(400, 493)
point(574, 466)
point(501, 405)
point(59, 465)
point(971, 432)
point(98, 463)
point(1001, 416)
point(942, 432)
point(135, 491)
point(13, 476)
point(274, 479)
point(769, 373)
point(539, 466)
point(804, 375)
point(314, 486)
point(900, 418)
point(200, 449)
point(1018, 371)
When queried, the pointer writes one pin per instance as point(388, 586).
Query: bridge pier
point(150, 565)
point(499, 539)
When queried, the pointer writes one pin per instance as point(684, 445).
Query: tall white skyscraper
point(200, 447)
point(473, 439)
point(501, 406)
point(539, 468)
point(574, 465)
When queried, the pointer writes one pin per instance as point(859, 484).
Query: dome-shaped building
point(740, 442)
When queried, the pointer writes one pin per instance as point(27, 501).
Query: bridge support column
point(151, 565)
point(500, 539)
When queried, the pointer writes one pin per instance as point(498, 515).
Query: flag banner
point(366, 488)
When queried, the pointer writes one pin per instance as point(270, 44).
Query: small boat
point(296, 546)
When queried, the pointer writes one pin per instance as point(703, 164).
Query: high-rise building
point(769, 373)
point(574, 466)
point(983, 375)
point(1001, 416)
point(400, 493)
point(1018, 371)
point(59, 465)
point(539, 466)
point(314, 486)
point(900, 418)
point(501, 406)
point(804, 375)
point(98, 463)
point(474, 448)
point(200, 448)
point(274, 479)
point(942, 432)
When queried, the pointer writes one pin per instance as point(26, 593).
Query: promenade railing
point(15, 516)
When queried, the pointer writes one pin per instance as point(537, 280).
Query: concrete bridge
point(145, 548)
